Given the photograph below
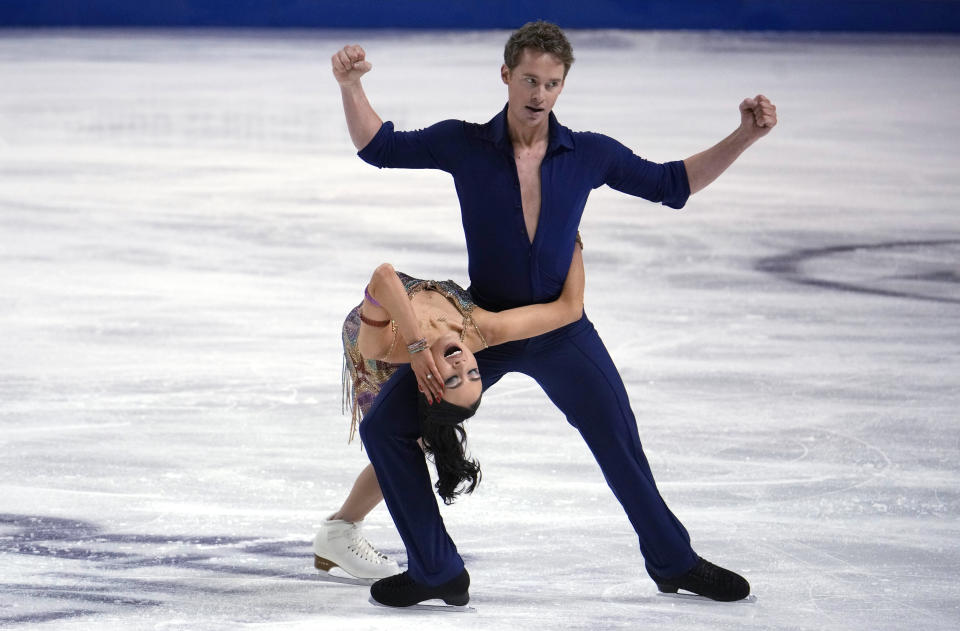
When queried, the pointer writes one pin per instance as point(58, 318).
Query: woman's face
point(458, 367)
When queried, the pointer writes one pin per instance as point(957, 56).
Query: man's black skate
point(705, 579)
point(402, 591)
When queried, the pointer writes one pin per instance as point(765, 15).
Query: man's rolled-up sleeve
point(430, 148)
point(666, 182)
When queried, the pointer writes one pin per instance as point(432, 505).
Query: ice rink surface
point(184, 225)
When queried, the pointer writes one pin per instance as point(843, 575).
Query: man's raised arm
point(349, 64)
point(757, 117)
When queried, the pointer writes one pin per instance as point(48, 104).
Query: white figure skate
point(341, 544)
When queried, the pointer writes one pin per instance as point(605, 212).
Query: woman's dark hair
point(445, 441)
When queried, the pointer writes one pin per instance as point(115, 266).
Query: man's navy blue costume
point(507, 270)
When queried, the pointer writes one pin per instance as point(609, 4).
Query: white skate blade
point(421, 607)
point(696, 598)
point(339, 576)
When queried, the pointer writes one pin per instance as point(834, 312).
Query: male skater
point(523, 180)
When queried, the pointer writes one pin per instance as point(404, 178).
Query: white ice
point(183, 226)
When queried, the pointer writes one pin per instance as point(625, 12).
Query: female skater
point(436, 328)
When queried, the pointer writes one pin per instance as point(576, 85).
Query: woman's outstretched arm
point(521, 323)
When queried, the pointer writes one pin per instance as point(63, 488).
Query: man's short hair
point(538, 36)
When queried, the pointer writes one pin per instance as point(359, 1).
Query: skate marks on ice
point(106, 569)
point(839, 583)
point(795, 465)
point(917, 270)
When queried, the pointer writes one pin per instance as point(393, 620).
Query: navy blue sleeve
point(628, 173)
point(435, 147)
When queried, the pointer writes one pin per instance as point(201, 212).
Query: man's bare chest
point(528, 174)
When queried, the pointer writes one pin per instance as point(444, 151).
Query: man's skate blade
point(696, 598)
point(426, 607)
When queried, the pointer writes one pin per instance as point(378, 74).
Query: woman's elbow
point(384, 270)
point(380, 275)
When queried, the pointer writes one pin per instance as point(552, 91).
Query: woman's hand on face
point(428, 377)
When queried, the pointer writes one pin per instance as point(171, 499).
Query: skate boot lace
point(398, 581)
point(365, 550)
point(710, 573)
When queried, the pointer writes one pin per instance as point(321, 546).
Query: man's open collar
point(496, 132)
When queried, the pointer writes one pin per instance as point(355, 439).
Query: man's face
point(533, 87)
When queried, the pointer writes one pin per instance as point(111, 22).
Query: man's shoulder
point(480, 131)
point(592, 138)
point(474, 128)
point(492, 131)
point(450, 125)
point(453, 129)
point(592, 144)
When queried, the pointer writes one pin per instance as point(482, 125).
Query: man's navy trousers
point(508, 269)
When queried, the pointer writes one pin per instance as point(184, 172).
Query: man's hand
point(758, 116)
point(349, 64)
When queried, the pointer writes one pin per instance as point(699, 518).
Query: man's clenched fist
point(758, 115)
point(349, 64)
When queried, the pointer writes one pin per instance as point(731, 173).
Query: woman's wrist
point(417, 346)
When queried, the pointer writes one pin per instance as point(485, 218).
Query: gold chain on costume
point(393, 344)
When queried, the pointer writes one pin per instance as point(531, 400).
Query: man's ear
point(505, 73)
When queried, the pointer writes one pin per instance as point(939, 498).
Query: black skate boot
point(705, 579)
point(402, 591)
